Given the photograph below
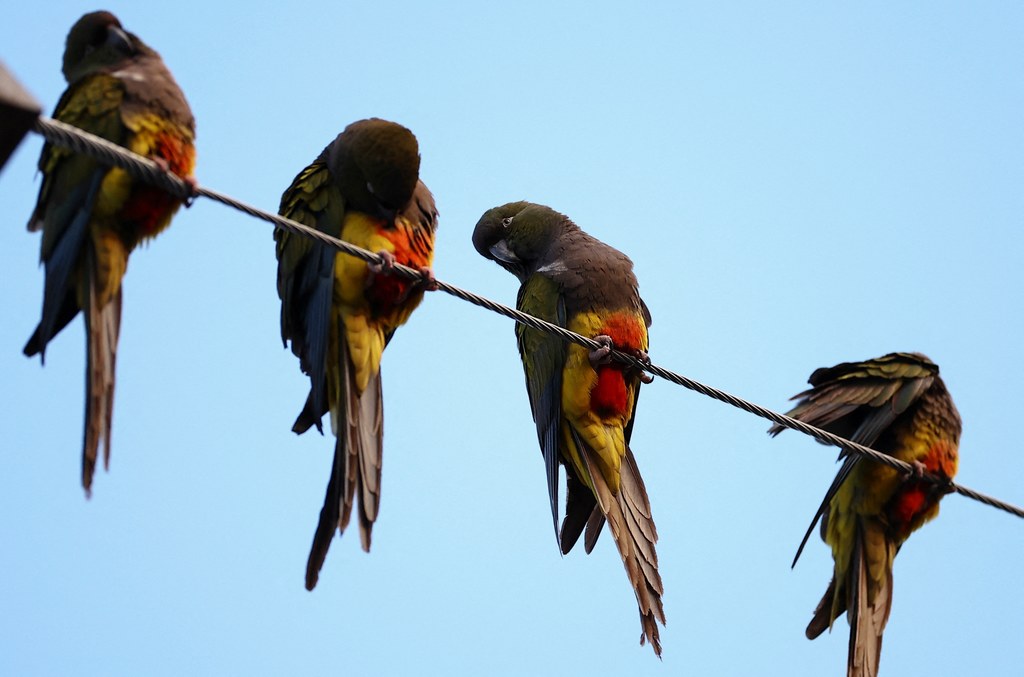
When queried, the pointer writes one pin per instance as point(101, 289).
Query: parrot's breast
point(412, 247)
point(388, 299)
point(916, 501)
point(148, 209)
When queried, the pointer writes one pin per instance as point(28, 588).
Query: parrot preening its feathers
point(93, 216)
point(896, 404)
point(583, 403)
point(339, 312)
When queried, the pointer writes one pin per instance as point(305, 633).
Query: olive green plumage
point(583, 404)
point(338, 313)
point(93, 216)
point(898, 405)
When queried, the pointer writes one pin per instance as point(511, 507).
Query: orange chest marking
point(413, 246)
point(916, 497)
point(148, 207)
point(610, 396)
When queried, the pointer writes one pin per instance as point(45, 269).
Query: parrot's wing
point(305, 279)
point(858, 401)
point(71, 183)
point(94, 106)
point(648, 320)
point(543, 358)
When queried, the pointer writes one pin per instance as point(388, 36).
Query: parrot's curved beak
point(503, 254)
point(119, 40)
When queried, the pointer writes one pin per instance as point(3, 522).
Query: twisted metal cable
point(110, 153)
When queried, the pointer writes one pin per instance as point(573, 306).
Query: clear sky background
point(797, 185)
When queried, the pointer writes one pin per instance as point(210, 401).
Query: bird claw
point(600, 355)
point(190, 181)
point(385, 266)
point(427, 278)
point(918, 470)
point(193, 189)
point(641, 374)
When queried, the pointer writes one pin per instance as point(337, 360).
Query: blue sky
point(797, 185)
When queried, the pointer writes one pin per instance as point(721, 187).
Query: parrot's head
point(377, 164)
point(519, 235)
point(96, 42)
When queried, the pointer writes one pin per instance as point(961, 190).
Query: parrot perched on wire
point(896, 404)
point(583, 403)
point(93, 216)
point(339, 312)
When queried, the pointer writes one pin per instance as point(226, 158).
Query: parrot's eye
point(506, 222)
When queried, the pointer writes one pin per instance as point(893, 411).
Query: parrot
point(898, 405)
point(93, 216)
point(582, 402)
point(339, 312)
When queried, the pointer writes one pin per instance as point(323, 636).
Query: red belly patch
point(387, 293)
point(915, 497)
point(908, 504)
point(610, 397)
point(148, 207)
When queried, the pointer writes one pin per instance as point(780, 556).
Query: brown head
point(98, 42)
point(518, 235)
point(376, 164)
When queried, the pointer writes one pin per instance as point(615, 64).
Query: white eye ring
point(506, 222)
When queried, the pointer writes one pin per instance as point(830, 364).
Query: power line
point(110, 153)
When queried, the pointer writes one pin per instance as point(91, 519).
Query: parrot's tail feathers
point(823, 613)
point(330, 515)
point(362, 425)
point(36, 345)
point(367, 432)
point(636, 547)
point(602, 498)
point(308, 417)
point(595, 525)
point(337, 508)
point(870, 598)
point(579, 506)
point(103, 326)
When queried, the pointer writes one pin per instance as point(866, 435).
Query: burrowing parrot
point(898, 405)
point(92, 216)
point(583, 402)
point(339, 313)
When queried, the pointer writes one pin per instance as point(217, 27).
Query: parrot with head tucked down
point(583, 403)
point(93, 216)
point(339, 312)
point(898, 405)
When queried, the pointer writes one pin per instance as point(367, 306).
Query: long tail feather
point(629, 518)
point(822, 619)
point(329, 516)
point(103, 326)
point(870, 598)
point(368, 429)
point(356, 470)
